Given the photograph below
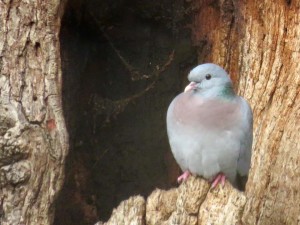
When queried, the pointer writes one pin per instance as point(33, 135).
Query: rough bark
point(131, 211)
point(258, 43)
point(33, 138)
point(192, 203)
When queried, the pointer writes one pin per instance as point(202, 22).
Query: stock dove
point(210, 128)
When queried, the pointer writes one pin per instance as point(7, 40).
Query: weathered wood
point(177, 206)
point(129, 212)
point(33, 137)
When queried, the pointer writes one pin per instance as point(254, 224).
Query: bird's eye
point(207, 76)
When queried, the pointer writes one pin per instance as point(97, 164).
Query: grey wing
point(244, 160)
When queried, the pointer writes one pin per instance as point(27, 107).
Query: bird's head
point(207, 76)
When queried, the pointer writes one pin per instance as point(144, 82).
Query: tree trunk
point(33, 137)
point(255, 41)
point(258, 43)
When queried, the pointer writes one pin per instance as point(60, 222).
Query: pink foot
point(220, 178)
point(184, 176)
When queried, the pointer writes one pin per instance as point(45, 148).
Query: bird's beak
point(191, 86)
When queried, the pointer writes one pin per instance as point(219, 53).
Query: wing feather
point(244, 159)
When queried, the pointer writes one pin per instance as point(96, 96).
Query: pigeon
point(210, 128)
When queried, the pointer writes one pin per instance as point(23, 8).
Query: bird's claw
point(220, 178)
point(183, 177)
